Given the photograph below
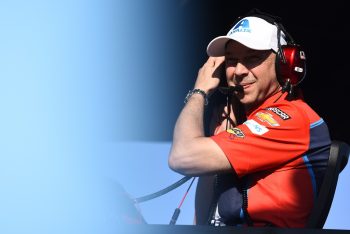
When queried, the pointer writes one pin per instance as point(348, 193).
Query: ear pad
point(291, 64)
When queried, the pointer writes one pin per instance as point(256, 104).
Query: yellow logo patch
point(236, 131)
point(267, 117)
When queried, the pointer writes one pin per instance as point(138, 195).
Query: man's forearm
point(192, 153)
point(189, 128)
point(190, 122)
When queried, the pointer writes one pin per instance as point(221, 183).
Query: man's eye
point(231, 61)
point(254, 58)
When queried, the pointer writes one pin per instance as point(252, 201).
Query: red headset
point(290, 59)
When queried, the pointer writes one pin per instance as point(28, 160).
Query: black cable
point(245, 207)
point(177, 210)
point(163, 191)
point(214, 203)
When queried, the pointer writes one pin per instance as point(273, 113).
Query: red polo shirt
point(282, 151)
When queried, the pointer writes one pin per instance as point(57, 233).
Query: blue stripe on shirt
point(311, 172)
point(315, 124)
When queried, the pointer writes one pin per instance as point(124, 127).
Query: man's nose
point(241, 69)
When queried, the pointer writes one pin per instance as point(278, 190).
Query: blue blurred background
point(75, 76)
point(89, 94)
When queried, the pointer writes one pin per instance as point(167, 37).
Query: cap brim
point(216, 47)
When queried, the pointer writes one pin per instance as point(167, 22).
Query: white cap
point(253, 32)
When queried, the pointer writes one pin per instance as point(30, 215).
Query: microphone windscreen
point(237, 88)
point(231, 89)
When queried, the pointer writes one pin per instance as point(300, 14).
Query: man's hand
point(210, 73)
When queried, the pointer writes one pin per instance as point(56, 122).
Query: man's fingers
point(215, 61)
point(211, 61)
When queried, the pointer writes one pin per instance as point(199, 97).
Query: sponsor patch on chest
point(236, 132)
point(255, 127)
point(283, 115)
point(267, 117)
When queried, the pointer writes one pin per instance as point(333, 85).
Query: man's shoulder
point(304, 107)
point(296, 109)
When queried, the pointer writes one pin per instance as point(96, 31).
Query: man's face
point(254, 70)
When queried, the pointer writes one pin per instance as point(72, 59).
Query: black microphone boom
point(231, 89)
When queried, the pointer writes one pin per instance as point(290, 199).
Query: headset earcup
point(292, 65)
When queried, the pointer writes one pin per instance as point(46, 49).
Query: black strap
point(163, 191)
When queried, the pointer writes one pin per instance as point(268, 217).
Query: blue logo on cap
point(241, 26)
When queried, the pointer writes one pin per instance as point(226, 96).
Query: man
point(270, 165)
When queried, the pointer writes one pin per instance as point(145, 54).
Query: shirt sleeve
point(269, 139)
